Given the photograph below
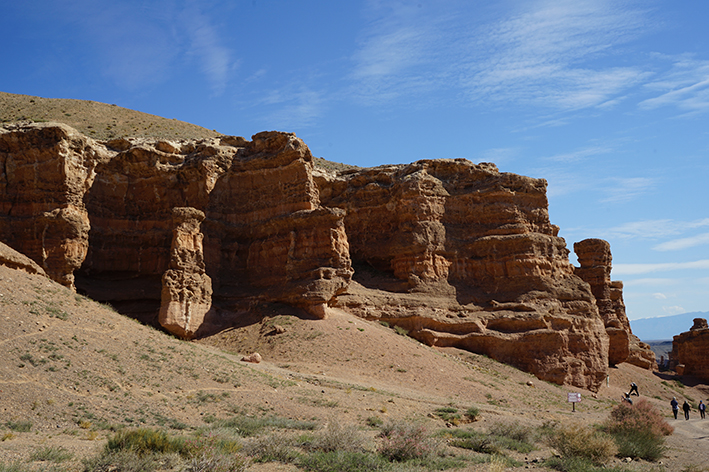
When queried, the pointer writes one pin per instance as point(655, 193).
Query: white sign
point(574, 397)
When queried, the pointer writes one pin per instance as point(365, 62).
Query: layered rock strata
point(186, 288)
point(690, 351)
point(459, 254)
point(595, 259)
point(483, 240)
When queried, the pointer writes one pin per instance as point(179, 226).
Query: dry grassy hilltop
point(76, 375)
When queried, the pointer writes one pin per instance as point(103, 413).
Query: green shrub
point(51, 454)
point(343, 461)
point(337, 438)
point(215, 461)
point(575, 440)
point(272, 448)
point(121, 460)
point(19, 426)
point(404, 441)
point(143, 441)
point(249, 426)
point(472, 413)
point(638, 430)
point(13, 467)
point(374, 421)
point(640, 444)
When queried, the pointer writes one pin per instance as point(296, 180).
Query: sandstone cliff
point(690, 351)
point(192, 232)
point(595, 258)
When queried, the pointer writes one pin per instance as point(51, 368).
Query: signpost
point(574, 398)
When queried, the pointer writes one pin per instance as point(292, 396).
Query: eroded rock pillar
point(186, 288)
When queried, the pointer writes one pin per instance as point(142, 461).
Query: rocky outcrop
point(46, 170)
point(595, 259)
point(457, 253)
point(469, 259)
point(265, 234)
point(186, 288)
point(690, 351)
point(16, 260)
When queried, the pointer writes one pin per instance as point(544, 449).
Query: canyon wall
point(192, 232)
point(690, 351)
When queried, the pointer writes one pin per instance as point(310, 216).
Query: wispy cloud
point(579, 155)
point(683, 243)
point(293, 108)
point(633, 269)
point(651, 282)
point(205, 44)
point(654, 229)
point(685, 86)
point(544, 53)
point(624, 189)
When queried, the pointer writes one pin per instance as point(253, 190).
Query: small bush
point(641, 416)
point(19, 426)
point(403, 441)
point(143, 441)
point(272, 448)
point(477, 442)
point(580, 441)
point(337, 438)
point(374, 421)
point(13, 467)
point(472, 413)
point(248, 426)
point(215, 461)
point(121, 460)
point(343, 461)
point(51, 454)
point(638, 430)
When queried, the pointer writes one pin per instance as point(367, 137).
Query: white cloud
point(659, 296)
point(662, 282)
point(673, 310)
point(683, 243)
point(624, 189)
point(685, 86)
point(543, 53)
point(653, 229)
point(537, 56)
point(632, 269)
point(215, 58)
point(579, 155)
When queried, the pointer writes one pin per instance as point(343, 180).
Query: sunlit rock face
point(463, 255)
point(594, 256)
point(191, 233)
point(690, 351)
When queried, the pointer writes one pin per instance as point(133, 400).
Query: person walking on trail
point(686, 409)
point(702, 409)
point(675, 406)
point(633, 388)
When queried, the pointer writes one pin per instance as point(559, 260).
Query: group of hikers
point(686, 407)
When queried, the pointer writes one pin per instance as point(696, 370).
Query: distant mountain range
point(665, 327)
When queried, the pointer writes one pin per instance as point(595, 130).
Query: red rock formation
point(469, 259)
point(690, 351)
point(47, 168)
point(595, 258)
point(459, 254)
point(186, 288)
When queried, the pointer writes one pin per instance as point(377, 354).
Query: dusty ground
point(76, 369)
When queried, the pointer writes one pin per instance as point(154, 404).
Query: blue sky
point(607, 100)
